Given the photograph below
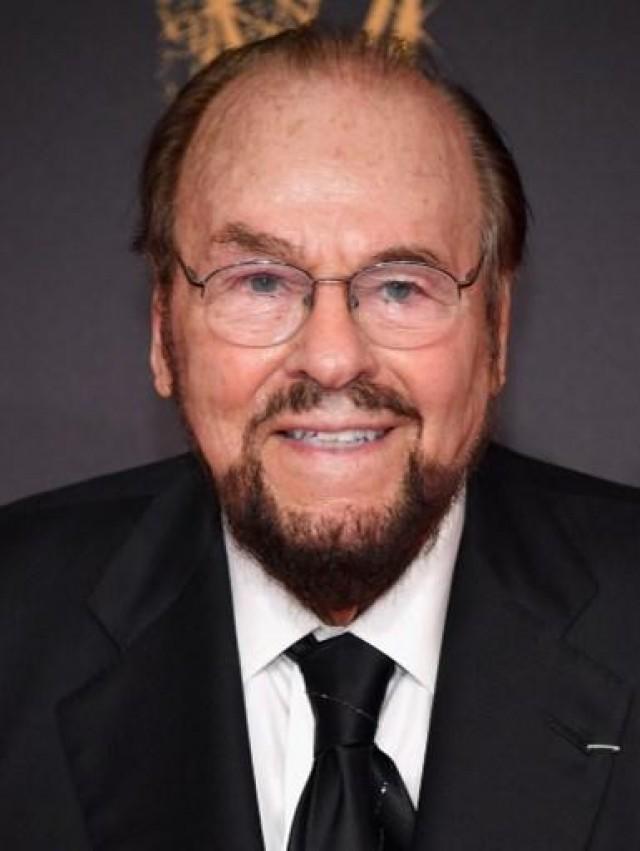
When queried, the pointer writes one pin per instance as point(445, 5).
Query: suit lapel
point(157, 741)
point(516, 703)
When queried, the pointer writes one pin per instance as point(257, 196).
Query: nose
point(330, 348)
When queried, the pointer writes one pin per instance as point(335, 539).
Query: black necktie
point(354, 799)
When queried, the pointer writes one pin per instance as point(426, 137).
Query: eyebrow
point(242, 236)
point(417, 253)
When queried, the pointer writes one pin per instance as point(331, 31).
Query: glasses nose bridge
point(332, 280)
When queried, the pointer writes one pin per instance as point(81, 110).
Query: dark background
point(80, 87)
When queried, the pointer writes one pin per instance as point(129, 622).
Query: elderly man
point(246, 648)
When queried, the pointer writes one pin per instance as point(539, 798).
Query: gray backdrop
point(79, 90)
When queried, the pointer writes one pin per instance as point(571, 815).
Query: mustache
point(306, 394)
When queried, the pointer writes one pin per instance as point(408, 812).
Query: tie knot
point(346, 680)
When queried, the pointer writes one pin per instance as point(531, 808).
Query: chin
point(344, 507)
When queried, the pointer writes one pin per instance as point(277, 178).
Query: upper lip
point(331, 424)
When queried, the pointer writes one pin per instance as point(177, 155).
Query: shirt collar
point(406, 623)
point(268, 619)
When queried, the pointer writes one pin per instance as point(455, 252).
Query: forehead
point(315, 158)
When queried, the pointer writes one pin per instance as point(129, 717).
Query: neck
point(342, 617)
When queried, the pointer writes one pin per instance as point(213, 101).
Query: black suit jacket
point(122, 722)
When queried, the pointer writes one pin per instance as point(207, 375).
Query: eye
point(263, 283)
point(398, 291)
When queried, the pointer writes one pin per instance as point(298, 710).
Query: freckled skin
point(342, 170)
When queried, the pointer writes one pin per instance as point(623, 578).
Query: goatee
point(336, 564)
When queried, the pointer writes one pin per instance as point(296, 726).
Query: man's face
point(328, 175)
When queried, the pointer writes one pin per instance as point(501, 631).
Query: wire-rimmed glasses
point(401, 304)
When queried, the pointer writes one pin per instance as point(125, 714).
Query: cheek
point(451, 386)
point(222, 387)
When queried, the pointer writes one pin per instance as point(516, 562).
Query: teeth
point(348, 437)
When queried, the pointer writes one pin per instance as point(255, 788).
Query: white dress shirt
point(406, 623)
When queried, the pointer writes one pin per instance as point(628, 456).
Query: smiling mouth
point(347, 438)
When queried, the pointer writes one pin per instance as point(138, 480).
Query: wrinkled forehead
point(391, 134)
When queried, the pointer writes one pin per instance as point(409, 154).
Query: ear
point(501, 332)
point(162, 375)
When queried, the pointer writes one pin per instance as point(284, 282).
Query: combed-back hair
point(310, 49)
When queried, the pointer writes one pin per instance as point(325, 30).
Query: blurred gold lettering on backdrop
point(194, 31)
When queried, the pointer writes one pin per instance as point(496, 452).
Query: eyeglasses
point(401, 304)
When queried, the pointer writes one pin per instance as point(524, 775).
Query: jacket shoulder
point(71, 531)
point(540, 504)
point(513, 469)
point(135, 482)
